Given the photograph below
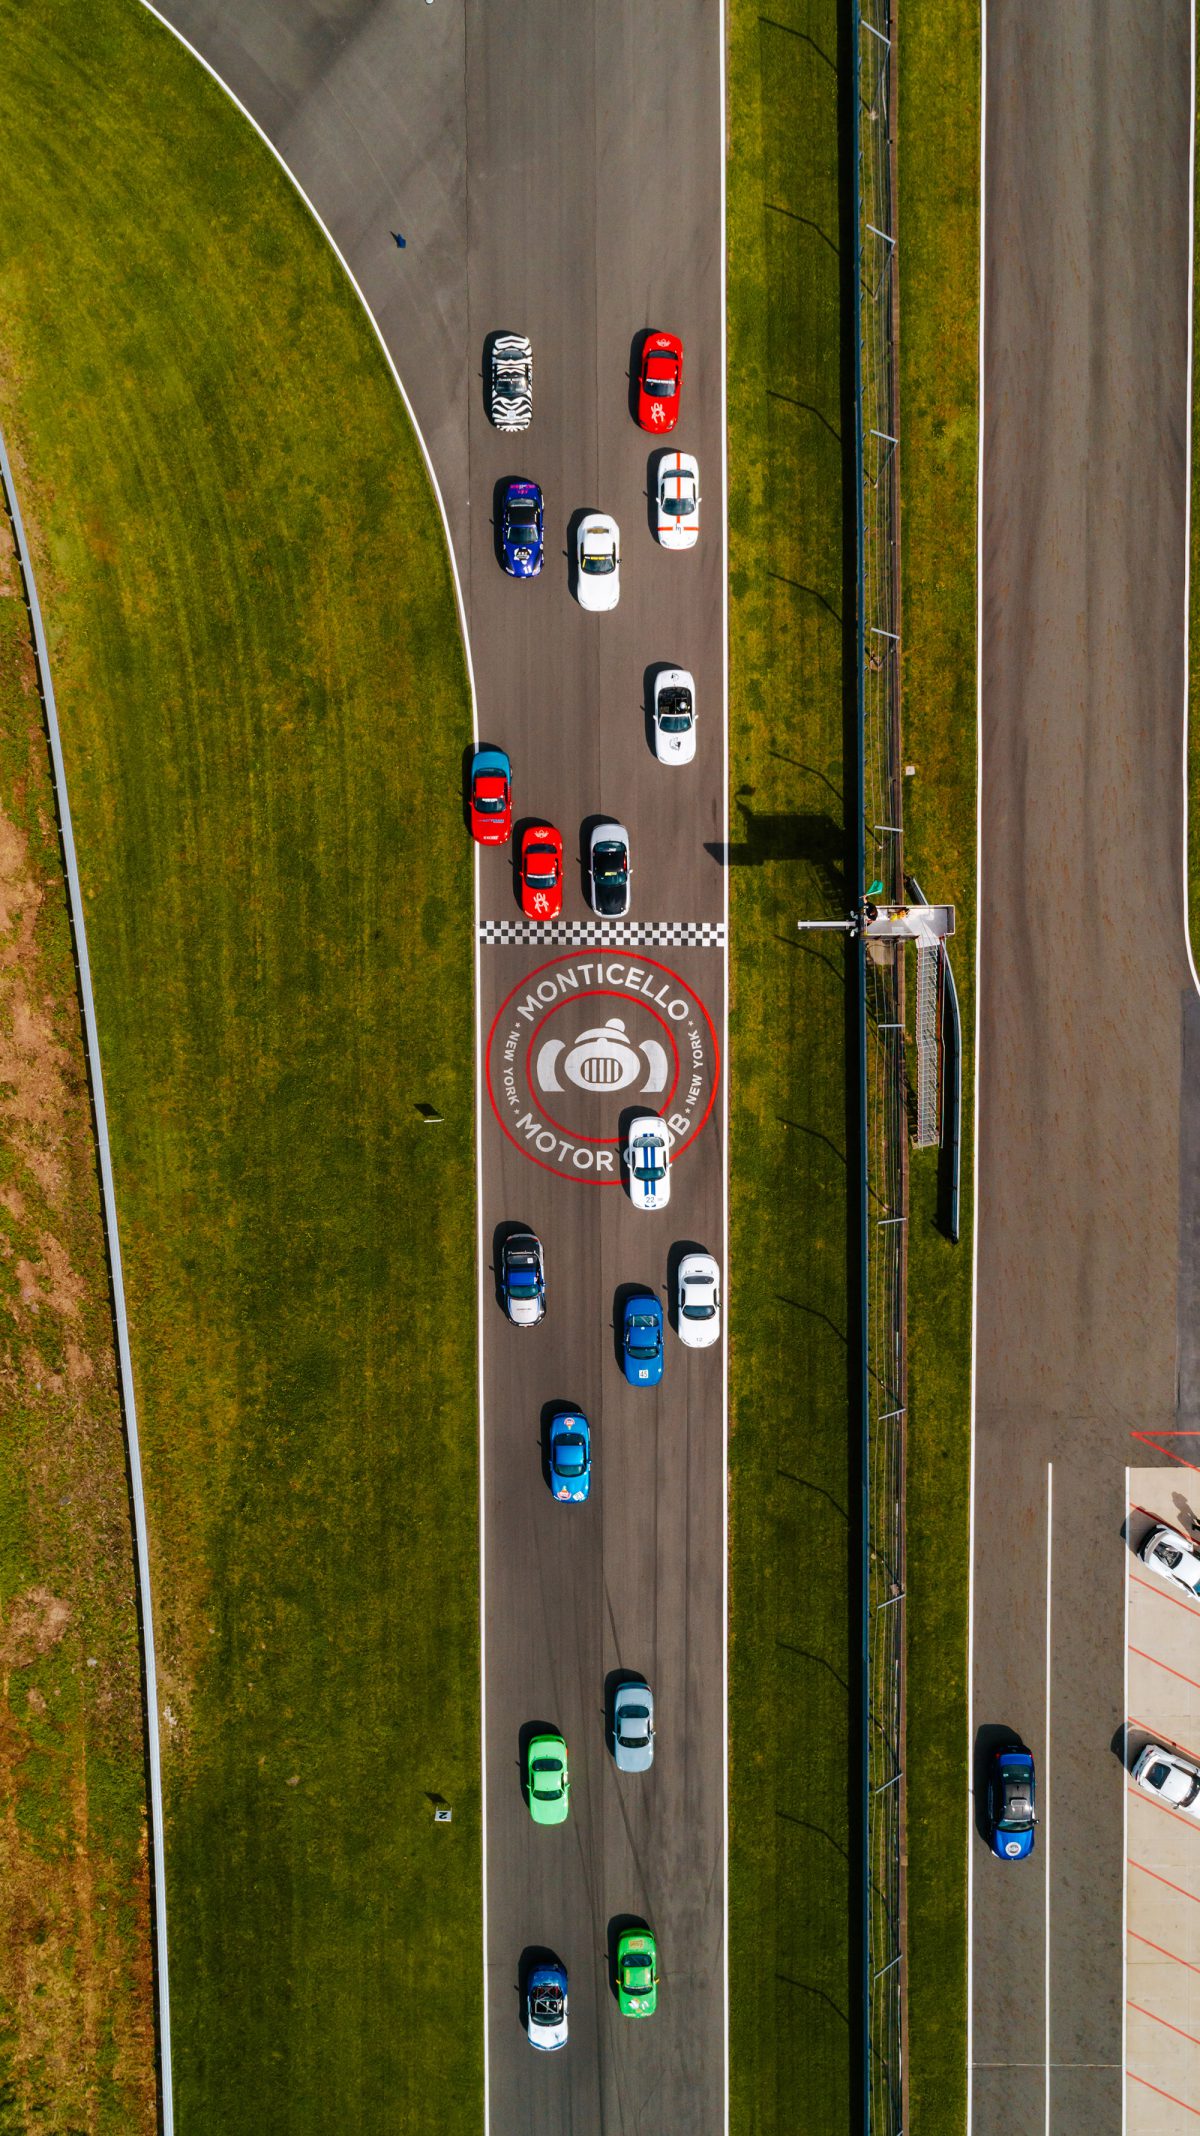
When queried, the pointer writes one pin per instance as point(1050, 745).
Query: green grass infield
point(792, 1680)
point(264, 704)
point(938, 117)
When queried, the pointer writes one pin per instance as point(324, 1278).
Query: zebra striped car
point(512, 382)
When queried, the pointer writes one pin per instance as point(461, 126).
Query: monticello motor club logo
point(583, 1041)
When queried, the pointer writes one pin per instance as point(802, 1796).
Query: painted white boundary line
point(1187, 487)
point(721, 31)
point(1125, 1829)
point(124, 1360)
point(983, 32)
point(460, 604)
point(1044, 1820)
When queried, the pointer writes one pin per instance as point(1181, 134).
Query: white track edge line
point(124, 1357)
point(460, 604)
point(975, 1075)
point(1125, 1838)
point(1187, 488)
point(722, 28)
point(1045, 1816)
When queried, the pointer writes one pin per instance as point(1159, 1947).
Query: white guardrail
point(124, 1364)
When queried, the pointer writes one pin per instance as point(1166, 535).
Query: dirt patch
point(32, 1625)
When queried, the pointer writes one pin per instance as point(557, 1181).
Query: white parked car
point(699, 1301)
point(674, 717)
point(609, 872)
point(1169, 1778)
point(512, 382)
point(1175, 1557)
point(678, 500)
point(648, 1158)
point(598, 563)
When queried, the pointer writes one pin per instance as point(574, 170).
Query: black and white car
point(1169, 1778)
point(609, 870)
point(674, 716)
point(1175, 1556)
point(512, 382)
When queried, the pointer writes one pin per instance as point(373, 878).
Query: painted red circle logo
point(585, 1039)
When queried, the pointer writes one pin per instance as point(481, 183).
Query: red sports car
point(541, 872)
point(491, 797)
point(661, 383)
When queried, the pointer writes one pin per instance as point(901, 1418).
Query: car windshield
point(697, 1312)
point(678, 503)
point(646, 1162)
point(597, 562)
point(489, 804)
point(541, 865)
point(660, 381)
point(609, 863)
point(522, 515)
point(569, 1456)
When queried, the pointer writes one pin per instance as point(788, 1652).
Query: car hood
point(524, 1311)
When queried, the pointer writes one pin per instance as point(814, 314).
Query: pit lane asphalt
point(556, 171)
point(1088, 1053)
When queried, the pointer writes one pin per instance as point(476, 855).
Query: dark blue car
point(642, 1340)
point(570, 1455)
point(1011, 1803)
point(521, 529)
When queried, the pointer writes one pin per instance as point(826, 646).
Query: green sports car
point(548, 1780)
point(637, 1973)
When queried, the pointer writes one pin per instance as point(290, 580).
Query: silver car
point(633, 1728)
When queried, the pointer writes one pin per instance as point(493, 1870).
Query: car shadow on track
point(990, 1736)
point(549, 1411)
point(617, 1927)
point(534, 1954)
point(675, 1254)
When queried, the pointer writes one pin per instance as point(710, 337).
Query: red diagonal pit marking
point(1143, 1656)
point(1156, 1587)
point(1159, 1878)
point(1163, 1953)
point(1160, 1449)
point(1138, 1794)
point(1190, 2037)
point(1135, 2079)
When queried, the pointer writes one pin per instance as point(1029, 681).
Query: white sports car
point(699, 1301)
point(674, 717)
point(1170, 1778)
point(598, 563)
point(678, 500)
point(648, 1158)
point(512, 382)
point(1175, 1557)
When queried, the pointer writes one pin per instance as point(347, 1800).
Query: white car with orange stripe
point(678, 487)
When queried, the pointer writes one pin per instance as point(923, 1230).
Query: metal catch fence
point(886, 1125)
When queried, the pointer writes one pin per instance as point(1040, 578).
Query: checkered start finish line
point(618, 934)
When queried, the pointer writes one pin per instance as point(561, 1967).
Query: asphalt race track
point(1088, 1041)
point(556, 171)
